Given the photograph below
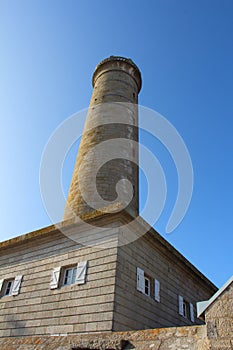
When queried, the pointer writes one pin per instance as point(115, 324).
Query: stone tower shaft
point(105, 177)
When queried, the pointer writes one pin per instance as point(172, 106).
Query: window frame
point(5, 287)
point(147, 279)
point(147, 285)
point(59, 275)
point(72, 277)
point(185, 309)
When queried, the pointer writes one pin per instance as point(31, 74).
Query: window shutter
point(81, 272)
point(181, 310)
point(16, 285)
point(140, 280)
point(54, 281)
point(157, 290)
point(192, 318)
point(1, 284)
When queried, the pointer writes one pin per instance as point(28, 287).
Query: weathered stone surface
point(115, 80)
point(219, 321)
point(157, 339)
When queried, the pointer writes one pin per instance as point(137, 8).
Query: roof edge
point(123, 216)
point(202, 306)
point(54, 227)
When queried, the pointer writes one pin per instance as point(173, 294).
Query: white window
point(148, 286)
point(10, 286)
point(186, 309)
point(70, 276)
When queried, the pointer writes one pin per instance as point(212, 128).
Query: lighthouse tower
point(105, 177)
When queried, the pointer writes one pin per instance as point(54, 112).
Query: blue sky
point(184, 49)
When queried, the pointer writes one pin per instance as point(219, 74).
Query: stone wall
point(188, 338)
point(219, 321)
point(215, 335)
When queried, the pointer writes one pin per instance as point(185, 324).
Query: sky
point(184, 49)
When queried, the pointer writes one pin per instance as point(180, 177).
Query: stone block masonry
point(115, 80)
point(182, 338)
point(219, 321)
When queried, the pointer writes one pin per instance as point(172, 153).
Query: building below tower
point(53, 285)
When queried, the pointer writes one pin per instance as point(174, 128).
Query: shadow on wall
point(115, 345)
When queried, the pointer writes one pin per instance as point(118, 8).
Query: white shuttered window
point(157, 290)
point(81, 272)
point(181, 302)
point(1, 284)
point(54, 281)
point(140, 280)
point(191, 308)
point(16, 285)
